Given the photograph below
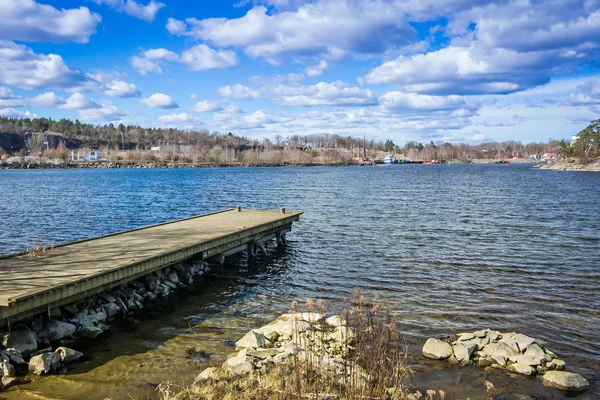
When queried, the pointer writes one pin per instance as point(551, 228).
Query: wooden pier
point(44, 279)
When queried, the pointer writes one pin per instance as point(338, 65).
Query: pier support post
point(281, 240)
point(252, 249)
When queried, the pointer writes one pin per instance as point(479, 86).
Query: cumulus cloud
point(47, 100)
point(13, 113)
point(256, 120)
point(28, 21)
point(9, 99)
point(321, 94)
point(160, 100)
point(317, 70)
point(177, 119)
point(400, 102)
point(21, 67)
point(117, 88)
point(325, 29)
point(131, 7)
point(78, 101)
point(197, 58)
point(107, 112)
point(207, 106)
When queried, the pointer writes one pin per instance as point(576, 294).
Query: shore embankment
point(573, 164)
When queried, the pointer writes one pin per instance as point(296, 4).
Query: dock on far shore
point(48, 278)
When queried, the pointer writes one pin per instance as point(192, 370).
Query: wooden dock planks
point(88, 266)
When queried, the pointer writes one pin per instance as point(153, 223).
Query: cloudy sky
point(422, 70)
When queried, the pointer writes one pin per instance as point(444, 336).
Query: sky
point(422, 70)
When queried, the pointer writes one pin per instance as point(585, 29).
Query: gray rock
point(522, 369)
point(565, 381)
point(170, 285)
point(70, 309)
point(263, 353)
point(509, 342)
point(38, 322)
point(484, 362)
point(8, 381)
point(68, 355)
point(14, 355)
point(463, 351)
point(482, 333)
point(107, 297)
point(252, 339)
point(437, 349)
point(238, 365)
point(6, 369)
point(536, 351)
point(527, 359)
point(172, 277)
point(57, 330)
point(523, 341)
point(111, 309)
point(465, 336)
point(44, 363)
point(24, 341)
point(89, 331)
point(499, 349)
point(208, 373)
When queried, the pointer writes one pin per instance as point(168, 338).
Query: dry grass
point(40, 249)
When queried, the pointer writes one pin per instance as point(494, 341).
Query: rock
point(484, 362)
point(14, 355)
point(6, 369)
point(335, 320)
point(498, 349)
point(482, 333)
point(121, 306)
point(111, 309)
point(494, 336)
point(238, 365)
point(341, 335)
point(535, 351)
point(90, 331)
point(465, 336)
point(263, 353)
point(170, 285)
point(522, 369)
point(463, 351)
point(70, 309)
point(208, 373)
point(172, 277)
point(24, 341)
point(556, 364)
point(437, 349)
point(523, 341)
point(527, 360)
point(107, 297)
point(8, 381)
point(68, 355)
point(500, 360)
point(252, 339)
point(38, 322)
point(57, 330)
point(510, 343)
point(44, 363)
point(565, 381)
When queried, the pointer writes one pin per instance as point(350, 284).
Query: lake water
point(453, 248)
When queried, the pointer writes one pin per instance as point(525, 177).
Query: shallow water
point(454, 247)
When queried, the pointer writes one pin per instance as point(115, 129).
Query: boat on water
point(390, 159)
point(432, 162)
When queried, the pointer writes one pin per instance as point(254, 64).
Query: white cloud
point(134, 9)
point(326, 29)
point(239, 91)
point(400, 102)
point(47, 100)
point(197, 58)
point(207, 106)
point(107, 112)
point(117, 88)
point(256, 120)
point(317, 70)
point(13, 113)
point(176, 119)
point(232, 108)
point(9, 99)
point(160, 100)
point(23, 68)
point(26, 20)
point(78, 101)
point(321, 94)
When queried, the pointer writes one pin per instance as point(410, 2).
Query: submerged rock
point(44, 363)
point(565, 381)
point(437, 349)
point(523, 369)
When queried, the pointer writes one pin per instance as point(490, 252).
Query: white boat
point(390, 159)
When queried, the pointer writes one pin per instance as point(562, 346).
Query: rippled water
point(453, 247)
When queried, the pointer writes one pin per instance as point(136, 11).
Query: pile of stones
point(43, 344)
point(512, 351)
point(310, 336)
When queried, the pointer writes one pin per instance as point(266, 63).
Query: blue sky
point(442, 70)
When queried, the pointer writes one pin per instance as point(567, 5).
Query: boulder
point(89, 331)
point(172, 277)
point(533, 350)
point(510, 343)
point(523, 341)
point(238, 365)
point(463, 351)
point(465, 336)
point(335, 320)
point(111, 309)
point(44, 363)
point(14, 356)
point(264, 353)
point(523, 369)
point(107, 297)
point(437, 349)
point(68, 355)
point(6, 369)
point(24, 341)
point(57, 330)
point(565, 381)
point(208, 373)
point(252, 339)
point(341, 335)
point(527, 359)
point(498, 349)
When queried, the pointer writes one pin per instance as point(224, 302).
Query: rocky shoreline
point(572, 165)
point(514, 352)
point(46, 343)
